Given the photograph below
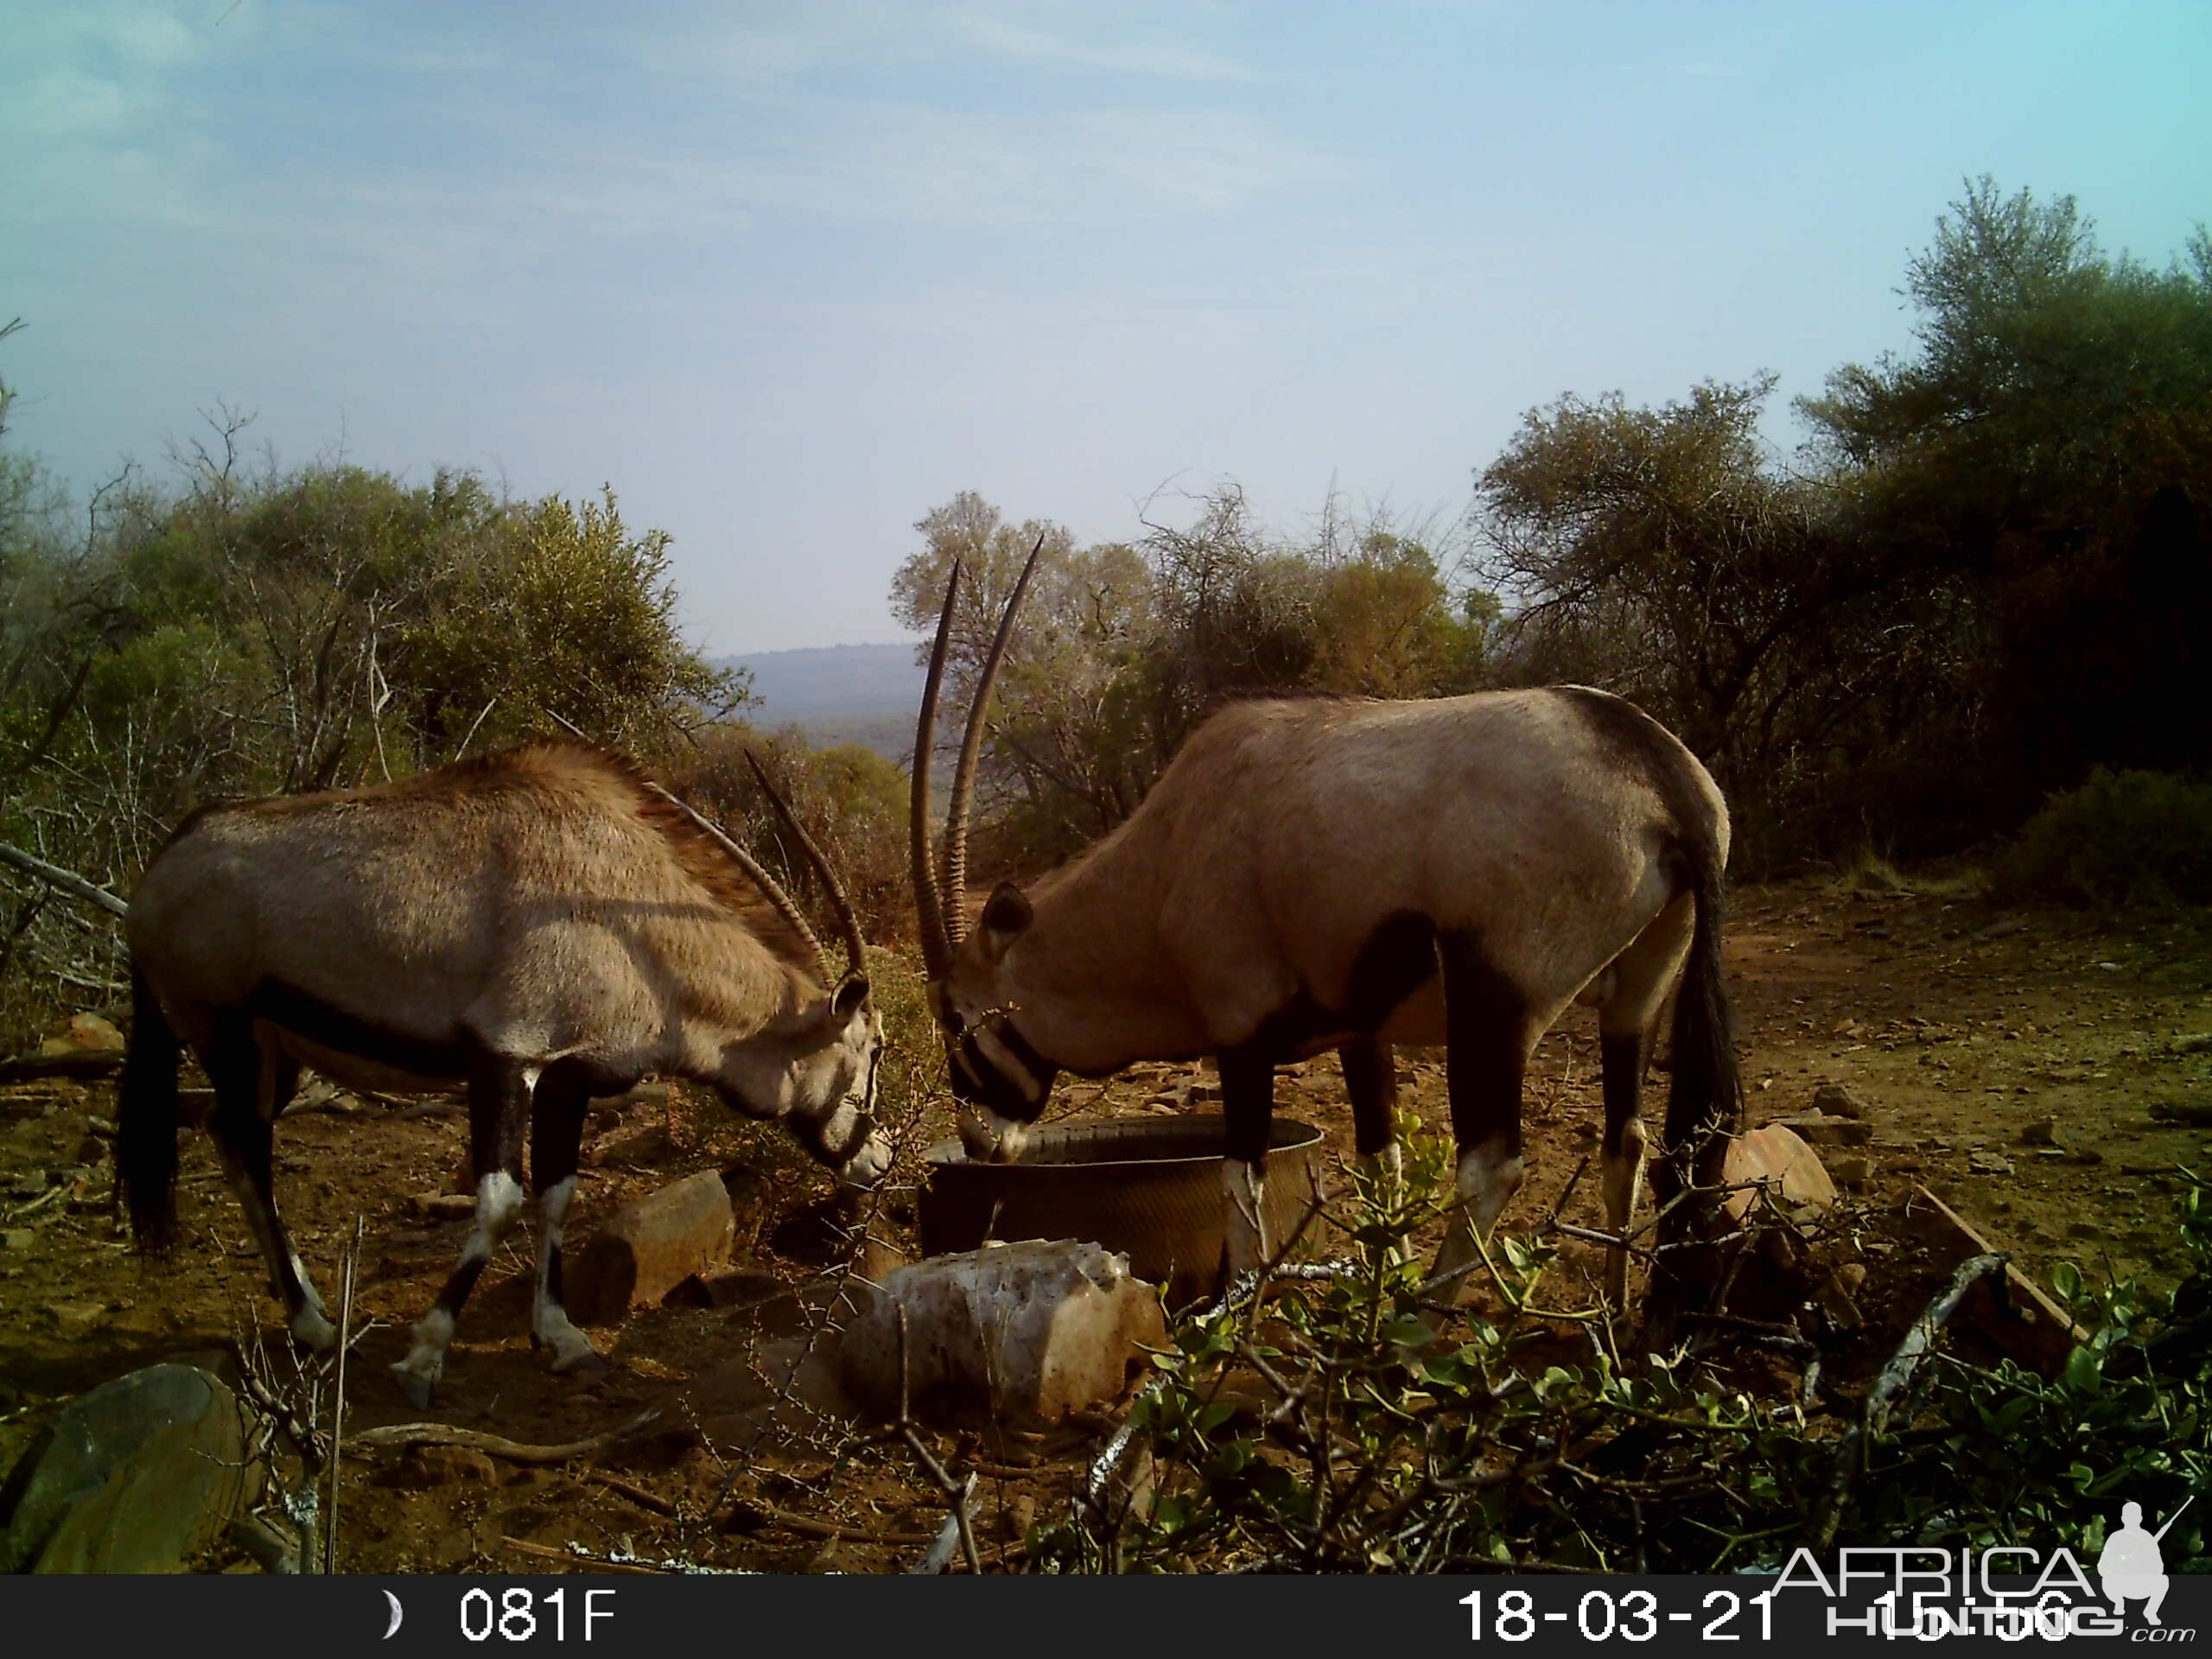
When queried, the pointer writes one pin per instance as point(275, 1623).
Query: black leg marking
point(1371, 1080)
point(1485, 1024)
point(499, 1113)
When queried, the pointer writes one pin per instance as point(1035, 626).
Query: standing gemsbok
point(1324, 873)
point(546, 924)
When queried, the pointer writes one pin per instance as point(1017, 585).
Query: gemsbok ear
point(1005, 918)
point(849, 996)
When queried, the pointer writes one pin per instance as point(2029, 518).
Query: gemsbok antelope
point(1326, 873)
point(546, 924)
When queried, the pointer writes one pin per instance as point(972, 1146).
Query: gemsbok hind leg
point(1486, 1023)
point(557, 1128)
point(1635, 992)
point(498, 1108)
point(250, 1088)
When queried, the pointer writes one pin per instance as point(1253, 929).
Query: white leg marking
point(1249, 1246)
point(1486, 1184)
point(549, 1321)
point(499, 1200)
point(1621, 1179)
point(1387, 1170)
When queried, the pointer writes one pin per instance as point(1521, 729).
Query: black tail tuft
point(1705, 1105)
point(146, 1123)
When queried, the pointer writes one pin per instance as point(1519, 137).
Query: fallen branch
point(495, 1446)
point(807, 1526)
point(85, 1062)
point(75, 885)
point(1895, 1378)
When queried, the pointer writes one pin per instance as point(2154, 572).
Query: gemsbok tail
point(146, 1123)
point(1706, 1105)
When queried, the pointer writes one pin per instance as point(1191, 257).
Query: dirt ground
point(2009, 1061)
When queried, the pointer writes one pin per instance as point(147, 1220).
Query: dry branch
point(75, 885)
point(495, 1446)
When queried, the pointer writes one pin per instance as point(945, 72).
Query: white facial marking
point(869, 1164)
point(1009, 1140)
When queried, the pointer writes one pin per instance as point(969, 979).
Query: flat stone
point(1024, 1333)
point(1818, 1129)
point(650, 1247)
point(1989, 1163)
point(2044, 1132)
point(444, 1206)
point(139, 1476)
point(1852, 1173)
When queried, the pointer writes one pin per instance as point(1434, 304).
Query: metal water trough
point(1147, 1187)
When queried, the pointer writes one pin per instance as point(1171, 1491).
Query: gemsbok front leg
point(499, 1093)
point(1247, 1103)
point(557, 1129)
point(1371, 1082)
point(1487, 1024)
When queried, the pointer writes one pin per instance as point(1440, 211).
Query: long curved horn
point(937, 943)
point(963, 779)
point(762, 880)
point(849, 924)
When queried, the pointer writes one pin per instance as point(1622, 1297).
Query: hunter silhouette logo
point(2131, 1566)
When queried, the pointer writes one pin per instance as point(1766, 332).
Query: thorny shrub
point(1340, 1429)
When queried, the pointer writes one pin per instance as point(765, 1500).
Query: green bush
point(2123, 838)
point(1347, 1428)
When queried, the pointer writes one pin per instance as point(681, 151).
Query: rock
point(139, 1476)
point(649, 1248)
point(1852, 1173)
point(1818, 1129)
point(1777, 1154)
point(2004, 928)
point(444, 1206)
point(1834, 1099)
point(2044, 1132)
point(1989, 1163)
point(1023, 1335)
point(17, 1238)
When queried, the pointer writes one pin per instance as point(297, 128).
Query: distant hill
point(838, 694)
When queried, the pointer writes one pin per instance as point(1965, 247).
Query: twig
point(338, 1397)
point(952, 1535)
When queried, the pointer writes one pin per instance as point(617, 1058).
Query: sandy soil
point(2009, 1061)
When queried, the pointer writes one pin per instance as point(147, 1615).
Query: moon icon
point(392, 1629)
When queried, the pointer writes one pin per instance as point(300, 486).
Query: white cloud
point(1157, 56)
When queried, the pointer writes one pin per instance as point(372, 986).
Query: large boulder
point(139, 1476)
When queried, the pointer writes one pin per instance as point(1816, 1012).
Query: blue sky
point(788, 276)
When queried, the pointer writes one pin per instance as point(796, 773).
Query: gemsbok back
point(547, 925)
point(1321, 873)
